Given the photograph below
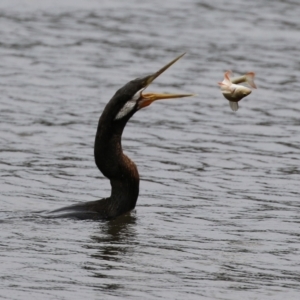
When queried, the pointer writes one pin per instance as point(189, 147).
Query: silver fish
point(234, 92)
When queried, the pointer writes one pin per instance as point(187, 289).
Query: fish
point(234, 92)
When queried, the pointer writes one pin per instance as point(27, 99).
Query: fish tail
point(250, 79)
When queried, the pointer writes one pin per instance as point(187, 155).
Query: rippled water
point(218, 211)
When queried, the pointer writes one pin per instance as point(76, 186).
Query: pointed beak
point(148, 98)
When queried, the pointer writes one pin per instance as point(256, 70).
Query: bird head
point(132, 96)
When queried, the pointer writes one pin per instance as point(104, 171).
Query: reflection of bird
point(109, 157)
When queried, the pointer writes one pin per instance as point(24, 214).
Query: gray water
point(219, 205)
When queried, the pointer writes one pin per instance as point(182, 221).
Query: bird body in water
point(109, 156)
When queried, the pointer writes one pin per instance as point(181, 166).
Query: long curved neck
point(116, 166)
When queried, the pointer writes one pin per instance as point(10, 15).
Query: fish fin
point(250, 79)
point(234, 105)
point(227, 77)
point(224, 87)
point(229, 74)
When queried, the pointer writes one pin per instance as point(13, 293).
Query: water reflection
point(115, 239)
point(112, 245)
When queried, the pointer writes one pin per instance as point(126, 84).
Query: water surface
point(218, 211)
